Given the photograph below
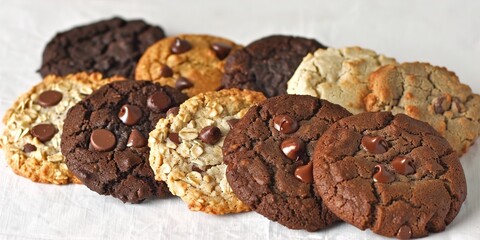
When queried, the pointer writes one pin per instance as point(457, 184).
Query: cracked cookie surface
point(111, 47)
point(30, 148)
point(105, 137)
point(431, 94)
point(267, 64)
point(337, 75)
point(392, 174)
point(268, 153)
point(190, 63)
point(187, 149)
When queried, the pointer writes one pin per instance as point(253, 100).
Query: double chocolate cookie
point(392, 174)
point(105, 137)
point(268, 153)
point(190, 63)
point(267, 64)
point(111, 47)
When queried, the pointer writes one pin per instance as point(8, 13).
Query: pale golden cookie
point(431, 94)
point(186, 149)
point(191, 63)
point(30, 148)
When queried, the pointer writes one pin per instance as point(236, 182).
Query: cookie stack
point(230, 129)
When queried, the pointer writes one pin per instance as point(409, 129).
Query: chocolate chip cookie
point(105, 137)
point(337, 75)
point(392, 174)
point(33, 126)
point(111, 47)
point(268, 153)
point(267, 64)
point(187, 149)
point(431, 94)
point(190, 63)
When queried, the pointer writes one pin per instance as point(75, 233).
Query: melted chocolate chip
point(136, 139)
point(174, 137)
point(232, 122)
point(292, 148)
point(130, 114)
point(28, 148)
point(305, 172)
point(180, 46)
point(403, 165)
point(210, 134)
point(159, 101)
point(49, 98)
point(374, 144)
point(196, 169)
point(173, 110)
point(382, 175)
point(285, 124)
point(221, 49)
point(165, 71)
point(43, 132)
point(102, 140)
point(405, 232)
point(183, 83)
point(438, 103)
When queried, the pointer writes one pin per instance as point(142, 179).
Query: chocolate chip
point(441, 104)
point(382, 175)
point(405, 232)
point(285, 124)
point(232, 122)
point(174, 137)
point(196, 169)
point(103, 140)
point(43, 132)
point(173, 110)
point(127, 162)
point(159, 101)
point(180, 46)
point(402, 165)
point(221, 49)
point(49, 98)
point(305, 172)
point(28, 148)
point(210, 134)
point(374, 144)
point(165, 71)
point(183, 83)
point(292, 148)
point(130, 114)
point(136, 139)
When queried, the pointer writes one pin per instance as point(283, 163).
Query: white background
point(445, 33)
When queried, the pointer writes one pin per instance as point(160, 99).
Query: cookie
point(268, 154)
point(105, 137)
point(33, 126)
point(267, 64)
point(111, 47)
point(190, 63)
point(392, 174)
point(337, 75)
point(431, 94)
point(187, 149)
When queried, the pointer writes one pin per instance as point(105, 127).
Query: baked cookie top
point(431, 94)
point(111, 47)
point(105, 137)
point(33, 126)
point(187, 149)
point(267, 64)
point(268, 153)
point(337, 75)
point(190, 63)
point(392, 174)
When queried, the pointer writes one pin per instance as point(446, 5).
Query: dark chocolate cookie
point(105, 137)
point(268, 155)
point(267, 64)
point(392, 174)
point(111, 47)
